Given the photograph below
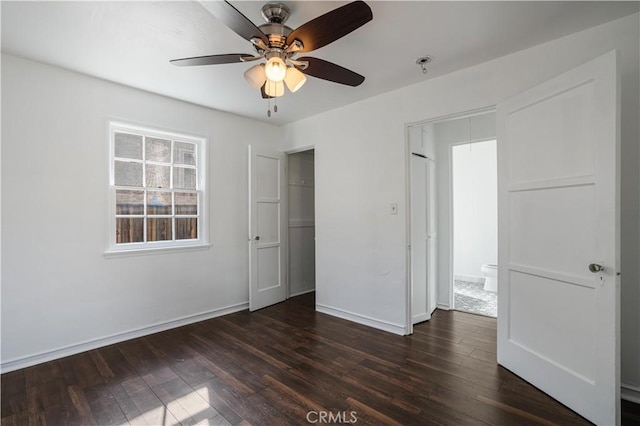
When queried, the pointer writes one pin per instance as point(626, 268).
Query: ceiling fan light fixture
point(274, 89)
point(294, 79)
point(256, 76)
point(276, 70)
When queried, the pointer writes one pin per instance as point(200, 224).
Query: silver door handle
point(595, 268)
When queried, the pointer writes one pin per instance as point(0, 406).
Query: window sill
point(154, 250)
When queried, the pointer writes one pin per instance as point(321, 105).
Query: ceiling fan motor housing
point(275, 13)
point(276, 33)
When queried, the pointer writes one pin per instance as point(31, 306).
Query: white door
point(432, 242)
point(558, 322)
point(267, 218)
point(419, 239)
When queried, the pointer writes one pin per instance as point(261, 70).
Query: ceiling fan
point(279, 45)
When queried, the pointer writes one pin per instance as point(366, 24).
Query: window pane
point(158, 150)
point(128, 146)
point(186, 203)
point(158, 176)
point(129, 230)
point(184, 178)
point(184, 153)
point(159, 229)
point(186, 228)
point(127, 174)
point(158, 202)
point(129, 202)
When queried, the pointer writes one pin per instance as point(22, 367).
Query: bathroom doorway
point(475, 226)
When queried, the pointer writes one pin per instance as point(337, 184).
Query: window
point(157, 189)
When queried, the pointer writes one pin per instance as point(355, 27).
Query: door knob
point(594, 267)
point(257, 237)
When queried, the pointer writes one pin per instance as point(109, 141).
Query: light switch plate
point(394, 208)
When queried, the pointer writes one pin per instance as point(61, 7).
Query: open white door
point(419, 239)
point(267, 218)
point(558, 204)
point(423, 243)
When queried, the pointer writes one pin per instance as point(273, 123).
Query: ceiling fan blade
point(236, 21)
point(325, 70)
point(229, 58)
point(331, 26)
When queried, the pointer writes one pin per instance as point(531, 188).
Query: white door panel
point(266, 228)
point(558, 323)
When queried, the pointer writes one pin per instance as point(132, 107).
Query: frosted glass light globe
point(256, 76)
point(294, 79)
point(274, 89)
point(275, 69)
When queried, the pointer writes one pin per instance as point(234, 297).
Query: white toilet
point(490, 277)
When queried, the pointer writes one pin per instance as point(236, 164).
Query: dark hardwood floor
point(286, 364)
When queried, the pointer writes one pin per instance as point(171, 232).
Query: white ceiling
point(132, 43)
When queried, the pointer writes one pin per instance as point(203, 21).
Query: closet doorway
point(301, 226)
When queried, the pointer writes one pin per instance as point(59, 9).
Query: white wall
point(59, 293)
point(300, 176)
point(361, 168)
point(475, 208)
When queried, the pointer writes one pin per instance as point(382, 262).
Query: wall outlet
point(393, 208)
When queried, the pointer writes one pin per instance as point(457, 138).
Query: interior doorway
point(301, 224)
point(430, 229)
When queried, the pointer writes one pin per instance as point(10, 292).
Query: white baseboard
point(443, 306)
point(362, 319)
point(630, 393)
point(29, 360)
point(300, 293)
point(469, 278)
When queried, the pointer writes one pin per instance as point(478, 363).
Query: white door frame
point(407, 157)
point(286, 175)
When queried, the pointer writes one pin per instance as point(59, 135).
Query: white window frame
point(202, 242)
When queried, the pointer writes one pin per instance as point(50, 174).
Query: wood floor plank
point(126, 404)
point(112, 364)
point(13, 393)
point(104, 407)
point(16, 419)
point(211, 391)
point(80, 370)
point(184, 402)
point(282, 364)
point(454, 401)
point(82, 407)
